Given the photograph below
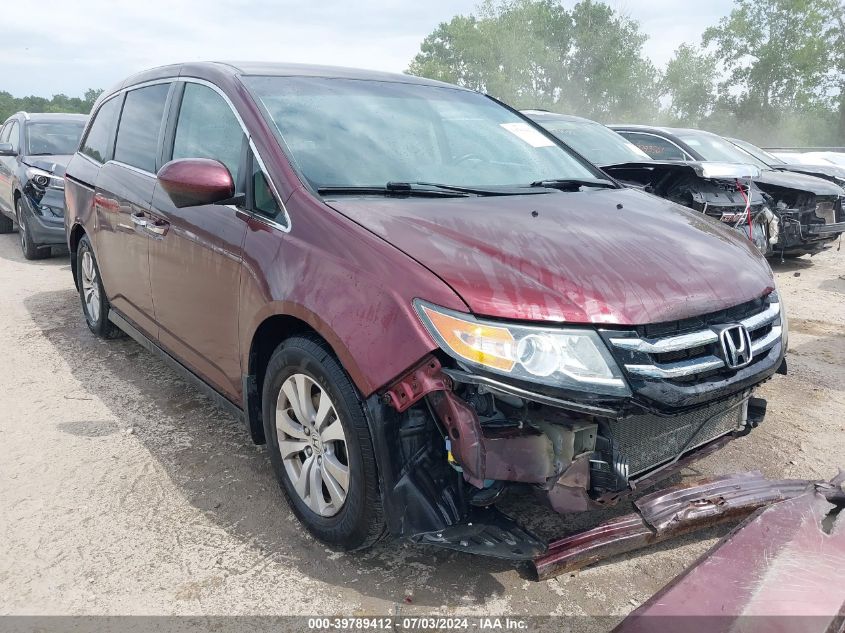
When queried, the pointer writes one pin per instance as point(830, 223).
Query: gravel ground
point(124, 491)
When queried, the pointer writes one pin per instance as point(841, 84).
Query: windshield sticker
point(526, 133)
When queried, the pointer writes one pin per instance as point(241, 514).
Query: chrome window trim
point(131, 167)
point(285, 228)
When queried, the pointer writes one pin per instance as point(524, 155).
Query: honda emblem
point(736, 346)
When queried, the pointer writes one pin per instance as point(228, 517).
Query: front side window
point(140, 123)
point(207, 128)
point(14, 136)
point(361, 133)
point(99, 141)
point(45, 138)
point(263, 200)
point(655, 146)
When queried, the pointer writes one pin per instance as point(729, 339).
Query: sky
point(68, 46)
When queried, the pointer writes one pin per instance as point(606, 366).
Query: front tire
point(30, 249)
point(320, 445)
point(95, 306)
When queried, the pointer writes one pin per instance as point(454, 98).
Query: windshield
point(599, 144)
point(715, 148)
point(362, 133)
point(758, 153)
point(53, 137)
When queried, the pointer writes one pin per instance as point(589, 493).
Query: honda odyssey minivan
point(417, 298)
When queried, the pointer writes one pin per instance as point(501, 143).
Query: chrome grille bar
point(679, 369)
point(699, 364)
point(756, 321)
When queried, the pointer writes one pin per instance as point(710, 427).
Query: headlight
point(569, 358)
point(44, 179)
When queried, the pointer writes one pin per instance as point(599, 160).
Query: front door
point(195, 257)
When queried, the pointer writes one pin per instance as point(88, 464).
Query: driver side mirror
point(192, 182)
point(6, 149)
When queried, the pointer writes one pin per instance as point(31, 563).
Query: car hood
point(801, 182)
point(575, 257)
point(55, 164)
point(819, 171)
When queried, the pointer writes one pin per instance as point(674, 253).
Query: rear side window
point(207, 128)
point(100, 137)
point(4, 133)
point(140, 123)
point(655, 146)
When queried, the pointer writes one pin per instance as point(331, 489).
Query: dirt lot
point(124, 491)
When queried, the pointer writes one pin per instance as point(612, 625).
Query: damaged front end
point(785, 220)
point(459, 429)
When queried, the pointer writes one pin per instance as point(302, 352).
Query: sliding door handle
point(139, 220)
point(158, 228)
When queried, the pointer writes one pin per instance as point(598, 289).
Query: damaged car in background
point(831, 172)
point(423, 300)
point(802, 214)
point(720, 190)
point(34, 149)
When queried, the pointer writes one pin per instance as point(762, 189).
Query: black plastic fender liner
point(420, 491)
point(252, 409)
point(488, 532)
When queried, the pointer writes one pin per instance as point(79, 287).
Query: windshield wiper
point(390, 189)
point(422, 190)
point(573, 184)
point(478, 191)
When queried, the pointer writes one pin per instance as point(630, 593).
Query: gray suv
point(34, 150)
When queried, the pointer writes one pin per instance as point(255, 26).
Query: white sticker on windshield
point(528, 134)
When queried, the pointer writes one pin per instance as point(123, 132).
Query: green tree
point(689, 83)
point(778, 53)
point(607, 75)
point(58, 103)
point(535, 53)
point(513, 50)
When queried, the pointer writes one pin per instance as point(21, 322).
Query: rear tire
point(95, 306)
point(342, 511)
point(29, 249)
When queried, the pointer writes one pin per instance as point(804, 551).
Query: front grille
point(647, 441)
point(689, 349)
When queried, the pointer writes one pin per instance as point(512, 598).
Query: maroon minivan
point(414, 295)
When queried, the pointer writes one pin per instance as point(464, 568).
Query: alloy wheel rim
point(90, 287)
point(312, 444)
point(21, 228)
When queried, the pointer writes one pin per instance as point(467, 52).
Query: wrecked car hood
point(573, 257)
point(703, 169)
point(801, 182)
point(55, 164)
point(831, 172)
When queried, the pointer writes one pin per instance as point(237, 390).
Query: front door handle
point(139, 220)
point(158, 227)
